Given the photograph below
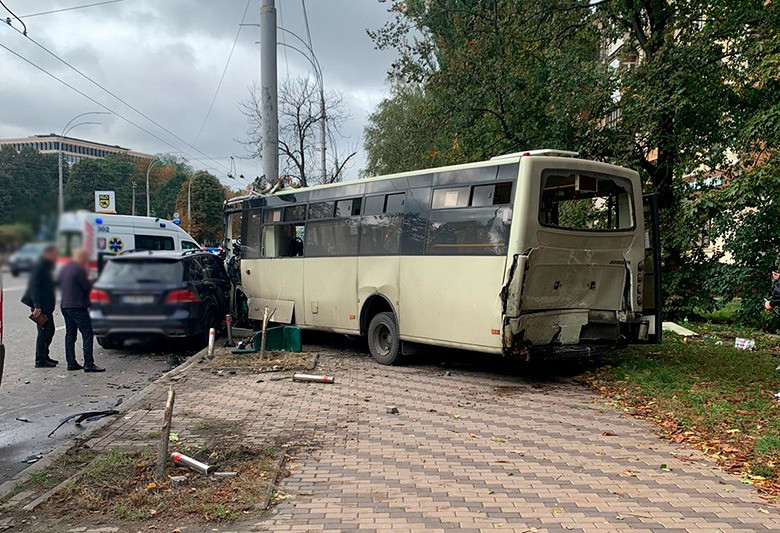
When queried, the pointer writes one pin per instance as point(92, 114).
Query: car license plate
point(138, 299)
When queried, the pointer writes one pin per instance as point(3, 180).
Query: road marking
point(9, 289)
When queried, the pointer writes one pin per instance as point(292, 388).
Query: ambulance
point(106, 235)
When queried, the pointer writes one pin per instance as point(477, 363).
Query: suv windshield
point(31, 249)
point(134, 271)
point(586, 202)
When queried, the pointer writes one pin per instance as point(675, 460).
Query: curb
point(170, 376)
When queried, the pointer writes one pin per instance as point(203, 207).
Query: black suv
point(165, 294)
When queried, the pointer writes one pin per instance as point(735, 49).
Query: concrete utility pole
point(269, 151)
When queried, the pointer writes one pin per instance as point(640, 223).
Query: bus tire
point(383, 339)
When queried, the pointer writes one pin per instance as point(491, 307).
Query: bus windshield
point(586, 202)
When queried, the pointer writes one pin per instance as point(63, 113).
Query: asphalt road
point(46, 396)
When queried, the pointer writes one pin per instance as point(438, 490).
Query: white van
point(105, 235)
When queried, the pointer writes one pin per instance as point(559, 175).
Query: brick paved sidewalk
point(467, 450)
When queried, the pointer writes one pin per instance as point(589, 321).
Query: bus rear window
point(586, 202)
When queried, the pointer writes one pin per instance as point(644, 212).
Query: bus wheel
point(383, 340)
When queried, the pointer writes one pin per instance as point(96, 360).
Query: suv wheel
point(108, 344)
point(210, 320)
point(383, 339)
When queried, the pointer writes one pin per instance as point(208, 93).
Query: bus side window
point(476, 226)
point(251, 242)
point(283, 235)
point(415, 223)
point(381, 226)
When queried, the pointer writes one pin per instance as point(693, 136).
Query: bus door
point(651, 291)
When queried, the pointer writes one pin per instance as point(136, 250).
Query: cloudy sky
point(165, 57)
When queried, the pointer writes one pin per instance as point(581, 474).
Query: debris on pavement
point(741, 343)
point(87, 416)
point(312, 378)
point(30, 459)
point(392, 410)
point(179, 481)
point(179, 459)
point(23, 419)
point(225, 474)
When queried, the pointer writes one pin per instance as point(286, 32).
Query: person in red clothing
point(75, 288)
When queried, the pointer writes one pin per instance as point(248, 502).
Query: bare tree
point(299, 117)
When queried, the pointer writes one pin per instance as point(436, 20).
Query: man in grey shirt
point(75, 288)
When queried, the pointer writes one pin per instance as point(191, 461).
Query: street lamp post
point(65, 130)
point(189, 201)
point(149, 169)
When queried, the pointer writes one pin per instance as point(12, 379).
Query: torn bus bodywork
point(579, 291)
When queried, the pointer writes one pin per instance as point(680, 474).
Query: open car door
point(651, 291)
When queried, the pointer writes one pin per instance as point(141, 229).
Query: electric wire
point(224, 71)
point(306, 22)
point(101, 105)
point(14, 16)
point(69, 9)
point(281, 20)
point(147, 117)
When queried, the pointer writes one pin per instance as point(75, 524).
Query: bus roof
point(514, 157)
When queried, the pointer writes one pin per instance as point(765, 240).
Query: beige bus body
point(552, 286)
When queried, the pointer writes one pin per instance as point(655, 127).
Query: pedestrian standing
point(41, 300)
point(774, 301)
point(75, 288)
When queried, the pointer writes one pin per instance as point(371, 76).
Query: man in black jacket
point(40, 298)
point(75, 288)
point(774, 302)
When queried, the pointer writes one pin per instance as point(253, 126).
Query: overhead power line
point(69, 9)
point(147, 117)
point(14, 16)
point(224, 71)
point(101, 105)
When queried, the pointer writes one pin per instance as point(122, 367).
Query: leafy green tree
point(685, 80)
point(208, 197)
point(114, 173)
point(494, 77)
point(166, 190)
point(28, 186)
point(402, 133)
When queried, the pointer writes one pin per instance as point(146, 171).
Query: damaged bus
point(531, 254)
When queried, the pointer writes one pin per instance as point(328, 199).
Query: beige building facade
point(73, 149)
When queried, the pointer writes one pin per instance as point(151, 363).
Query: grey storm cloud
point(165, 57)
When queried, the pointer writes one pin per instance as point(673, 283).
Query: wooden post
point(265, 328)
point(165, 435)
